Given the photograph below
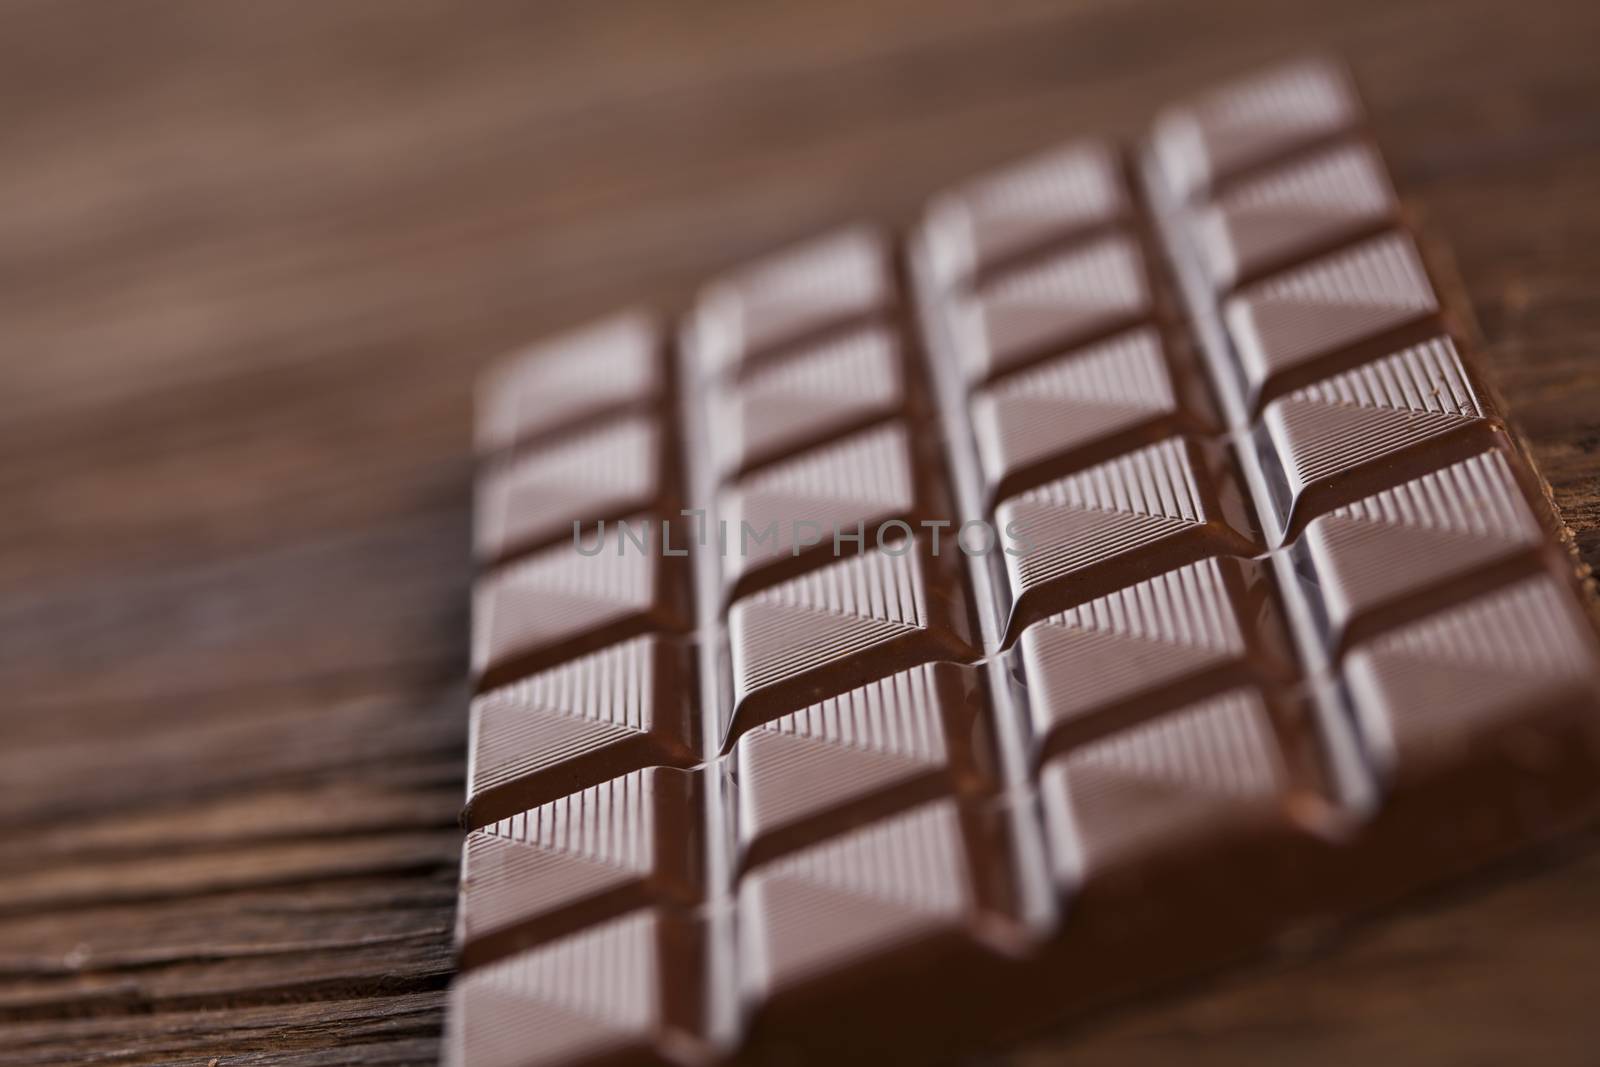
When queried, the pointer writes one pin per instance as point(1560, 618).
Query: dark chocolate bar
point(933, 637)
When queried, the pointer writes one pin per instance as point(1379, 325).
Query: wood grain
point(250, 259)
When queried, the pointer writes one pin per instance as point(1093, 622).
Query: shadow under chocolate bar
point(929, 639)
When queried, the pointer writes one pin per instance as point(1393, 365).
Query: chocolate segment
point(1129, 654)
point(1024, 209)
point(1478, 676)
point(571, 380)
point(892, 885)
point(861, 933)
point(915, 735)
point(1282, 326)
point(532, 498)
point(1398, 546)
point(816, 394)
point(1267, 223)
point(619, 991)
point(623, 708)
point(1250, 123)
point(624, 843)
point(1321, 440)
point(1202, 779)
point(1080, 536)
point(819, 634)
point(602, 587)
point(1054, 304)
point(1152, 579)
point(788, 512)
point(1093, 398)
point(800, 294)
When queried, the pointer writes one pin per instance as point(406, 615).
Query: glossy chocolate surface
point(1268, 621)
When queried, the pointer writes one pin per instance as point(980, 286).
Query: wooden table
point(250, 259)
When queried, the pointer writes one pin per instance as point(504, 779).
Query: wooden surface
point(252, 254)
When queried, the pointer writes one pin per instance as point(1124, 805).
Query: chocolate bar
point(929, 637)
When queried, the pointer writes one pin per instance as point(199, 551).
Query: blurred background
point(251, 258)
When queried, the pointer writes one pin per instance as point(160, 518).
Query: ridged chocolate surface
point(626, 706)
point(812, 397)
point(1069, 405)
point(862, 480)
point(1120, 649)
point(1024, 208)
point(1292, 211)
point(583, 997)
point(1118, 573)
point(1208, 769)
point(1477, 669)
point(1250, 122)
point(1284, 324)
point(1328, 432)
point(570, 598)
point(568, 381)
point(862, 895)
point(837, 280)
point(531, 499)
point(1053, 304)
